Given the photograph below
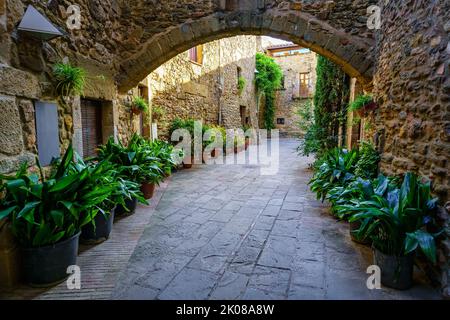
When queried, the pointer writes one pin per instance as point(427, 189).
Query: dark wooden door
point(91, 117)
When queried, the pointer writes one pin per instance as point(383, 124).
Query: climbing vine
point(330, 108)
point(268, 79)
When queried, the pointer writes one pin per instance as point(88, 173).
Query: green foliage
point(140, 104)
point(398, 222)
point(330, 100)
point(51, 210)
point(242, 82)
point(157, 112)
point(268, 79)
point(70, 80)
point(335, 168)
point(309, 144)
point(359, 189)
point(367, 165)
point(134, 162)
point(360, 102)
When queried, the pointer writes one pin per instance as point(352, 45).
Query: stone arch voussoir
point(350, 52)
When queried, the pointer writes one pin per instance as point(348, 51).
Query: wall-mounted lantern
point(36, 25)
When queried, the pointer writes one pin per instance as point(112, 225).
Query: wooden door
point(91, 118)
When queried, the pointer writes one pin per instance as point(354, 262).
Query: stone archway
point(352, 53)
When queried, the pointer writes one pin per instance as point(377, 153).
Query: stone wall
point(288, 99)
point(412, 87)
point(184, 89)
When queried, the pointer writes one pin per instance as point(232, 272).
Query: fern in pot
point(47, 215)
point(399, 224)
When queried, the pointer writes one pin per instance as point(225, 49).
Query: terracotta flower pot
point(187, 165)
point(247, 143)
point(148, 189)
point(136, 111)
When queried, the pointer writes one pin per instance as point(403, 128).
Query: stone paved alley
point(227, 232)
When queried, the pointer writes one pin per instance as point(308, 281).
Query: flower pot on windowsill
point(396, 272)
point(46, 266)
point(148, 189)
point(91, 234)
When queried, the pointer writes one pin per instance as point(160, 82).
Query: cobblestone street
point(227, 232)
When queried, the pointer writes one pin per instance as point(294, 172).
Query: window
point(91, 121)
point(304, 84)
point(196, 54)
point(280, 120)
point(243, 112)
point(47, 132)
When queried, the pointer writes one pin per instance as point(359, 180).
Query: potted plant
point(399, 224)
point(139, 105)
point(335, 168)
point(69, 80)
point(130, 164)
point(343, 199)
point(242, 82)
point(363, 104)
point(103, 175)
point(47, 215)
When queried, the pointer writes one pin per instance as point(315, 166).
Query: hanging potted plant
point(363, 105)
point(139, 105)
point(399, 224)
point(70, 80)
point(47, 216)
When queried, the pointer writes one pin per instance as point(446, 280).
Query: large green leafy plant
point(268, 79)
point(134, 162)
point(367, 165)
point(46, 211)
point(335, 168)
point(401, 221)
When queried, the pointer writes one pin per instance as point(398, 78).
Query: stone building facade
point(405, 64)
point(207, 90)
point(299, 81)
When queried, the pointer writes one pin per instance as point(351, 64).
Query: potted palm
point(399, 224)
point(47, 215)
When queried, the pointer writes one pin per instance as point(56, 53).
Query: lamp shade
point(38, 26)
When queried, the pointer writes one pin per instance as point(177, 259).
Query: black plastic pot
point(130, 205)
point(46, 266)
point(396, 272)
point(101, 231)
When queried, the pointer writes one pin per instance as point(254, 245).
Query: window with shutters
point(304, 85)
point(196, 54)
point(91, 119)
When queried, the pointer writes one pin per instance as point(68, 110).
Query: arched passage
point(350, 52)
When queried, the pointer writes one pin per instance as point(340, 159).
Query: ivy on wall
point(330, 108)
point(268, 79)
